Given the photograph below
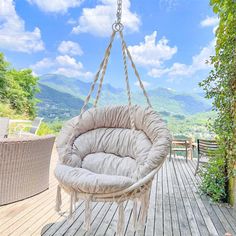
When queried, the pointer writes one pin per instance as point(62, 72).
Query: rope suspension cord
point(106, 59)
point(107, 52)
point(116, 27)
point(135, 70)
point(131, 113)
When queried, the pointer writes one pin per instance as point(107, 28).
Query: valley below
point(187, 115)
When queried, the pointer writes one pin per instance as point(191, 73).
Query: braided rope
point(135, 70)
point(98, 73)
point(131, 113)
point(103, 73)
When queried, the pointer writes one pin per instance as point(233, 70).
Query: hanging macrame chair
point(111, 154)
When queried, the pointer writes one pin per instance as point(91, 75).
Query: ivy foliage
point(18, 89)
point(221, 87)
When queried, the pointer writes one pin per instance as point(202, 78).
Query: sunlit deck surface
point(176, 208)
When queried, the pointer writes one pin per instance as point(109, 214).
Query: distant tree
point(3, 80)
point(18, 88)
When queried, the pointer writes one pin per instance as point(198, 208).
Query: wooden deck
point(176, 208)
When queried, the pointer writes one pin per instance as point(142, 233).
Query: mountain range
point(62, 97)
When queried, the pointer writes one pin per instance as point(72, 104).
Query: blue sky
point(170, 40)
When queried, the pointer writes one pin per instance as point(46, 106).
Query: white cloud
point(67, 61)
point(70, 48)
point(43, 64)
point(13, 35)
point(63, 64)
point(98, 20)
point(157, 72)
point(199, 60)
point(209, 21)
point(71, 21)
point(152, 53)
point(179, 69)
point(145, 83)
point(168, 4)
point(56, 5)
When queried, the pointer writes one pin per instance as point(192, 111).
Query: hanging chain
point(119, 11)
point(118, 26)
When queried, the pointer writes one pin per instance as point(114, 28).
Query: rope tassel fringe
point(121, 220)
point(58, 199)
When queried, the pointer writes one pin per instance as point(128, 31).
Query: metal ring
point(118, 26)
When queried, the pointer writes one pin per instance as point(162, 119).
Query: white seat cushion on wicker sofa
point(101, 154)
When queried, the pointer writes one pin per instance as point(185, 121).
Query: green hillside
point(185, 114)
point(162, 99)
point(195, 126)
point(56, 105)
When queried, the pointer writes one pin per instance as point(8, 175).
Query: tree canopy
point(18, 88)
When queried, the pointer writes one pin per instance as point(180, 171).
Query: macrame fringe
point(144, 208)
point(135, 214)
point(121, 220)
point(72, 204)
point(88, 213)
point(58, 199)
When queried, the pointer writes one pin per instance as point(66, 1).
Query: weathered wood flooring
point(176, 208)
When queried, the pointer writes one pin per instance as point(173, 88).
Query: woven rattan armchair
point(24, 167)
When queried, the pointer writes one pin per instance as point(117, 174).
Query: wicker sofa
point(24, 167)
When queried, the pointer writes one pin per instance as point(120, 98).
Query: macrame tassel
point(76, 199)
point(72, 204)
point(134, 214)
point(121, 220)
point(88, 213)
point(58, 199)
point(144, 208)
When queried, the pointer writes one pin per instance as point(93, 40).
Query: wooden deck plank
point(176, 208)
point(18, 207)
point(21, 218)
point(172, 201)
point(77, 228)
point(128, 213)
point(58, 220)
point(218, 217)
point(108, 222)
point(130, 231)
point(150, 226)
point(183, 219)
point(166, 203)
point(62, 225)
point(186, 201)
point(216, 221)
point(203, 230)
point(111, 230)
point(159, 207)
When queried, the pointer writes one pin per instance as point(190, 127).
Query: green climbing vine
point(221, 87)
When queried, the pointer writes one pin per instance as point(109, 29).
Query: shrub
point(44, 129)
point(50, 128)
point(7, 111)
point(214, 178)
